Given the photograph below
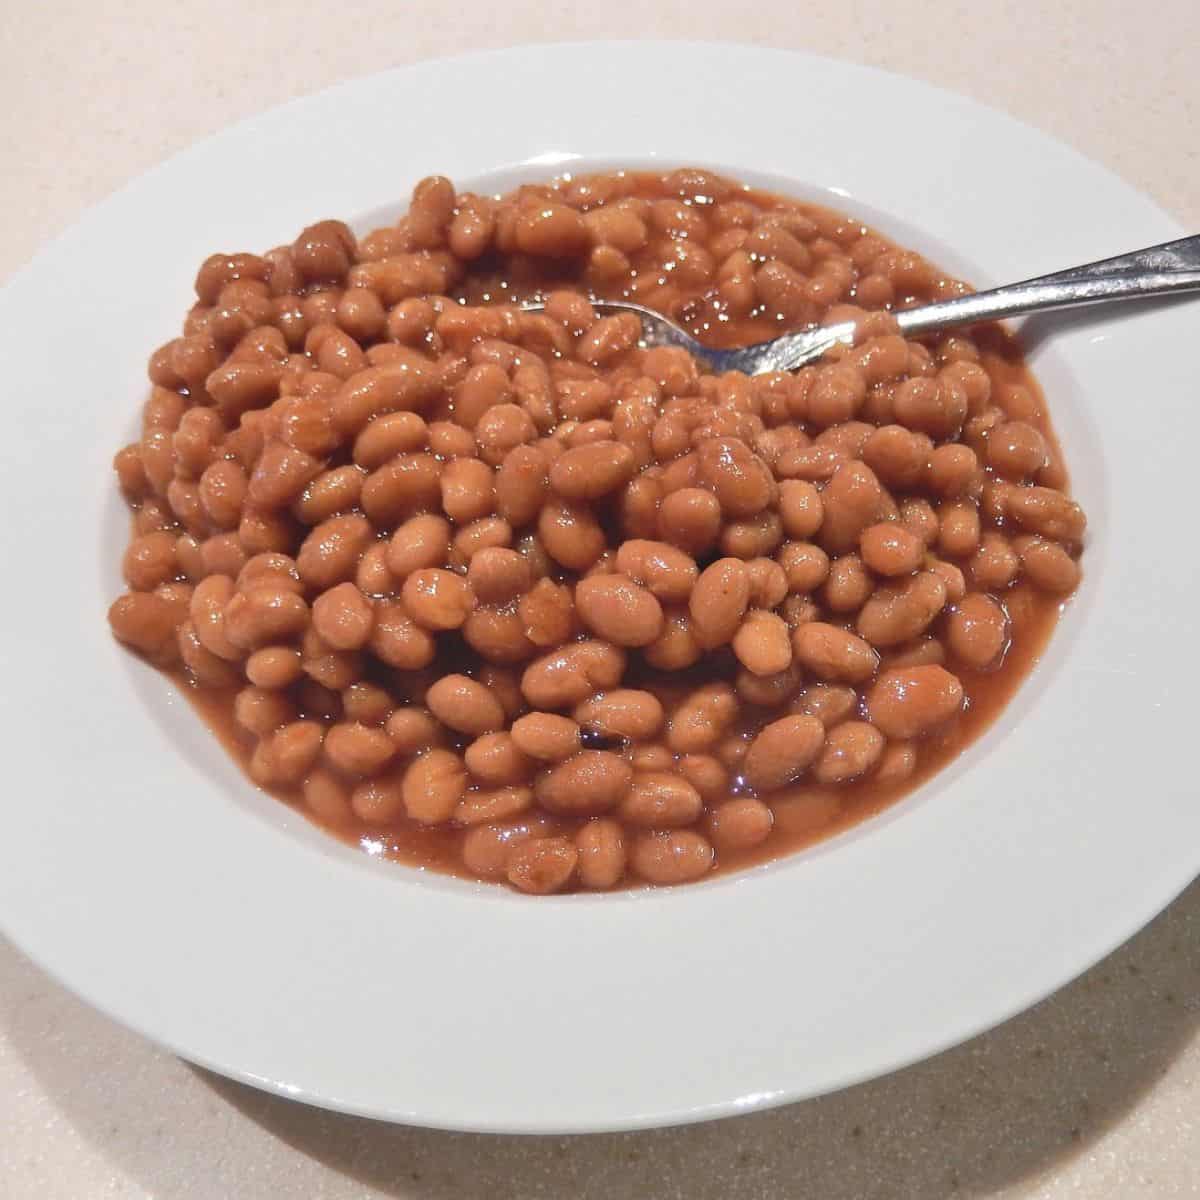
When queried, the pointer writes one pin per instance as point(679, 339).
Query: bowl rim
point(53, 896)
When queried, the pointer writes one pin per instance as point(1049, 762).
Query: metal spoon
point(1155, 271)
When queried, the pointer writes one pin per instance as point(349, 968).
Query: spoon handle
point(1155, 271)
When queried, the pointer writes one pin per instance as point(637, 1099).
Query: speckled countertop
point(1095, 1093)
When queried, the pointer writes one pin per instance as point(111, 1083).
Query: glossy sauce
point(804, 813)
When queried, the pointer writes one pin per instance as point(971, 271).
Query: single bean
point(588, 783)
point(910, 702)
point(782, 751)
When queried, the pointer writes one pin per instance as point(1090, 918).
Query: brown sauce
point(804, 812)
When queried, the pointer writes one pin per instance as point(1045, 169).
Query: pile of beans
point(502, 592)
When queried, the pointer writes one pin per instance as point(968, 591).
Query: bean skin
point(588, 783)
point(619, 610)
point(834, 654)
point(671, 858)
point(719, 601)
point(910, 702)
point(782, 751)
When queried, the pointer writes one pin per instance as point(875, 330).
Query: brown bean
point(995, 564)
point(608, 338)
point(952, 577)
point(897, 763)
point(275, 570)
point(910, 702)
point(330, 493)
point(419, 543)
point(676, 647)
point(618, 609)
point(651, 756)
point(487, 848)
point(449, 441)
point(437, 599)
point(834, 654)
point(601, 846)
point(763, 643)
point(690, 519)
point(660, 800)
point(1047, 512)
point(890, 549)
point(404, 485)
point(280, 475)
point(782, 751)
point(977, 631)
point(273, 667)
point(588, 783)
point(387, 436)
point(399, 641)
point(482, 806)
point(408, 383)
point(851, 749)
point(149, 560)
point(433, 785)
point(205, 669)
point(623, 713)
point(849, 585)
point(329, 554)
point(937, 407)
point(1016, 450)
point(954, 471)
point(358, 749)
point(768, 691)
point(719, 601)
point(958, 528)
point(344, 617)
point(701, 718)
point(851, 501)
point(464, 704)
point(412, 729)
point(367, 703)
point(900, 612)
point(664, 570)
point(547, 737)
point(542, 865)
point(206, 609)
point(593, 470)
point(740, 824)
point(898, 456)
point(468, 490)
point(805, 566)
point(836, 394)
point(564, 677)
point(496, 758)
point(547, 613)
point(739, 479)
point(768, 583)
point(829, 703)
point(552, 231)
point(378, 801)
point(1047, 565)
point(521, 483)
point(570, 534)
point(264, 615)
point(800, 508)
point(285, 756)
point(671, 858)
point(327, 797)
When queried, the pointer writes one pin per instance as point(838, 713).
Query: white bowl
point(140, 867)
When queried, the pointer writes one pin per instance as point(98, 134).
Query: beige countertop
point(1095, 1093)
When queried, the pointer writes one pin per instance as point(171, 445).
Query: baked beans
point(502, 593)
